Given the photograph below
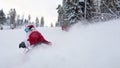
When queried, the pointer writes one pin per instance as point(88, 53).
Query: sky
point(36, 8)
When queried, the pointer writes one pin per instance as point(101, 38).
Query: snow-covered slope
point(90, 46)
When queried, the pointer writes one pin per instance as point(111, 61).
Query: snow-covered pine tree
point(60, 15)
point(42, 22)
point(51, 25)
point(29, 18)
point(88, 8)
point(118, 7)
point(72, 11)
point(12, 15)
point(69, 12)
point(57, 24)
point(2, 17)
point(108, 9)
point(37, 22)
point(18, 20)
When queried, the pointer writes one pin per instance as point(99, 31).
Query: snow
point(88, 46)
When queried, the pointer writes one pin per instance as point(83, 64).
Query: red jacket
point(36, 37)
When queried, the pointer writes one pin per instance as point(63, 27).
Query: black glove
point(22, 45)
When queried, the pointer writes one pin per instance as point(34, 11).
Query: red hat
point(31, 26)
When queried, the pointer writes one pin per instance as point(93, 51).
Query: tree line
point(14, 20)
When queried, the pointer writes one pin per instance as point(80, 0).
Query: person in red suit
point(34, 38)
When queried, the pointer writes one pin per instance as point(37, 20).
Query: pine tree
point(2, 17)
point(42, 22)
point(29, 18)
point(57, 24)
point(12, 14)
point(88, 9)
point(118, 7)
point(37, 22)
point(70, 12)
point(51, 25)
point(108, 9)
point(18, 20)
point(60, 15)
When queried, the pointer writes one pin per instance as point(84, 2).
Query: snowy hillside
point(90, 46)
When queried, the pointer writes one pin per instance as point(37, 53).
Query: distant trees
point(12, 19)
point(15, 20)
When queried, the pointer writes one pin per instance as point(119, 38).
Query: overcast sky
point(36, 8)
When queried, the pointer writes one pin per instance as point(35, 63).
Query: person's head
point(29, 28)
